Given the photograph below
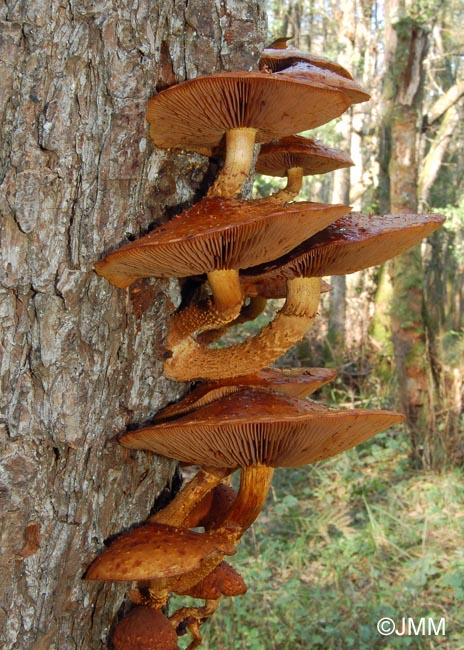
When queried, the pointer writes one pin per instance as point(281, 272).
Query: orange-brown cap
point(156, 551)
point(217, 234)
point(294, 382)
point(197, 113)
point(352, 243)
point(145, 628)
point(308, 73)
point(224, 580)
point(277, 157)
point(277, 58)
point(256, 427)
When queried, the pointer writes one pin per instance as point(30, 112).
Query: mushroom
point(308, 73)
point(190, 360)
point(243, 107)
point(294, 382)
point(289, 62)
point(217, 237)
point(256, 305)
point(352, 243)
point(258, 430)
point(145, 628)
point(169, 558)
point(295, 157)
point(178, 511)
point(279, 56)
point(224, 580)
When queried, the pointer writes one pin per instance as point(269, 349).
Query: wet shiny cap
point(253, 427)
point(217, 234)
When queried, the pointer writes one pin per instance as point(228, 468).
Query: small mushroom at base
point(145, 628)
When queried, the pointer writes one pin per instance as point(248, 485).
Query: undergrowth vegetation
point(341, 545)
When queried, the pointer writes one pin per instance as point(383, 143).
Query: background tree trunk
point(81, 360)
point(406, 80)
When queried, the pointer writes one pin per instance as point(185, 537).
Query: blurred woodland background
point(377, 532)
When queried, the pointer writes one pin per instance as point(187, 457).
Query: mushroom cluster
point(243, 415)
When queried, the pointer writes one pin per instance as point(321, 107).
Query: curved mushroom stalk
point(190, 360)
point(255, 307)
point(193, 617)
point(240, 144)
point(212, 509)
point(255, 482)
point(199, 318)
point(179, 509)
point(292, 189)
point(224, 580)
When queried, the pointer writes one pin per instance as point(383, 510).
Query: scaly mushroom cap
point(217, 234)
point(308, 73)
point(352, 243)
point(294, 382)
point(197, 113)
point(156, 551)
point(277, 157)
point(274, 59)
point(224, 580)
point(212, 508)
point(145, 628)
point(256, 427)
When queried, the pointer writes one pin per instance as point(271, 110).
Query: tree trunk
point(407, 271)
point(82, 360)
point(341, 187)
point(433, 160)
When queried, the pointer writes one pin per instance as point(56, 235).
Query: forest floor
point(343, 544)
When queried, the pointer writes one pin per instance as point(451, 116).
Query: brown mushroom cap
point(308, 73)
point(145, 628)
point(156, 551)
point(294, 382)
point(224, 580)
point(278, 58)
point(256, 427)
point(197, 113)
point(352, 243)
point(217, 234)
point(277, 157)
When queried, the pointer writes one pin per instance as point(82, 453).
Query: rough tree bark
point(81, 360)
point(407, 48)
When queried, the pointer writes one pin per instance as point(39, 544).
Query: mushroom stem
point(196, 613)
point(239, 156)
point(227, 291)
point(177, 511)
point(294, 180)
point(255, 307)
point(227, 302)
point(190, 360)
point(255, 482)
point(293, 187)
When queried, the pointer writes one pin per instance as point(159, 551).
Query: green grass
point(342, 544)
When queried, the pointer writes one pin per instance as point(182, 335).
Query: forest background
point(377, 532)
